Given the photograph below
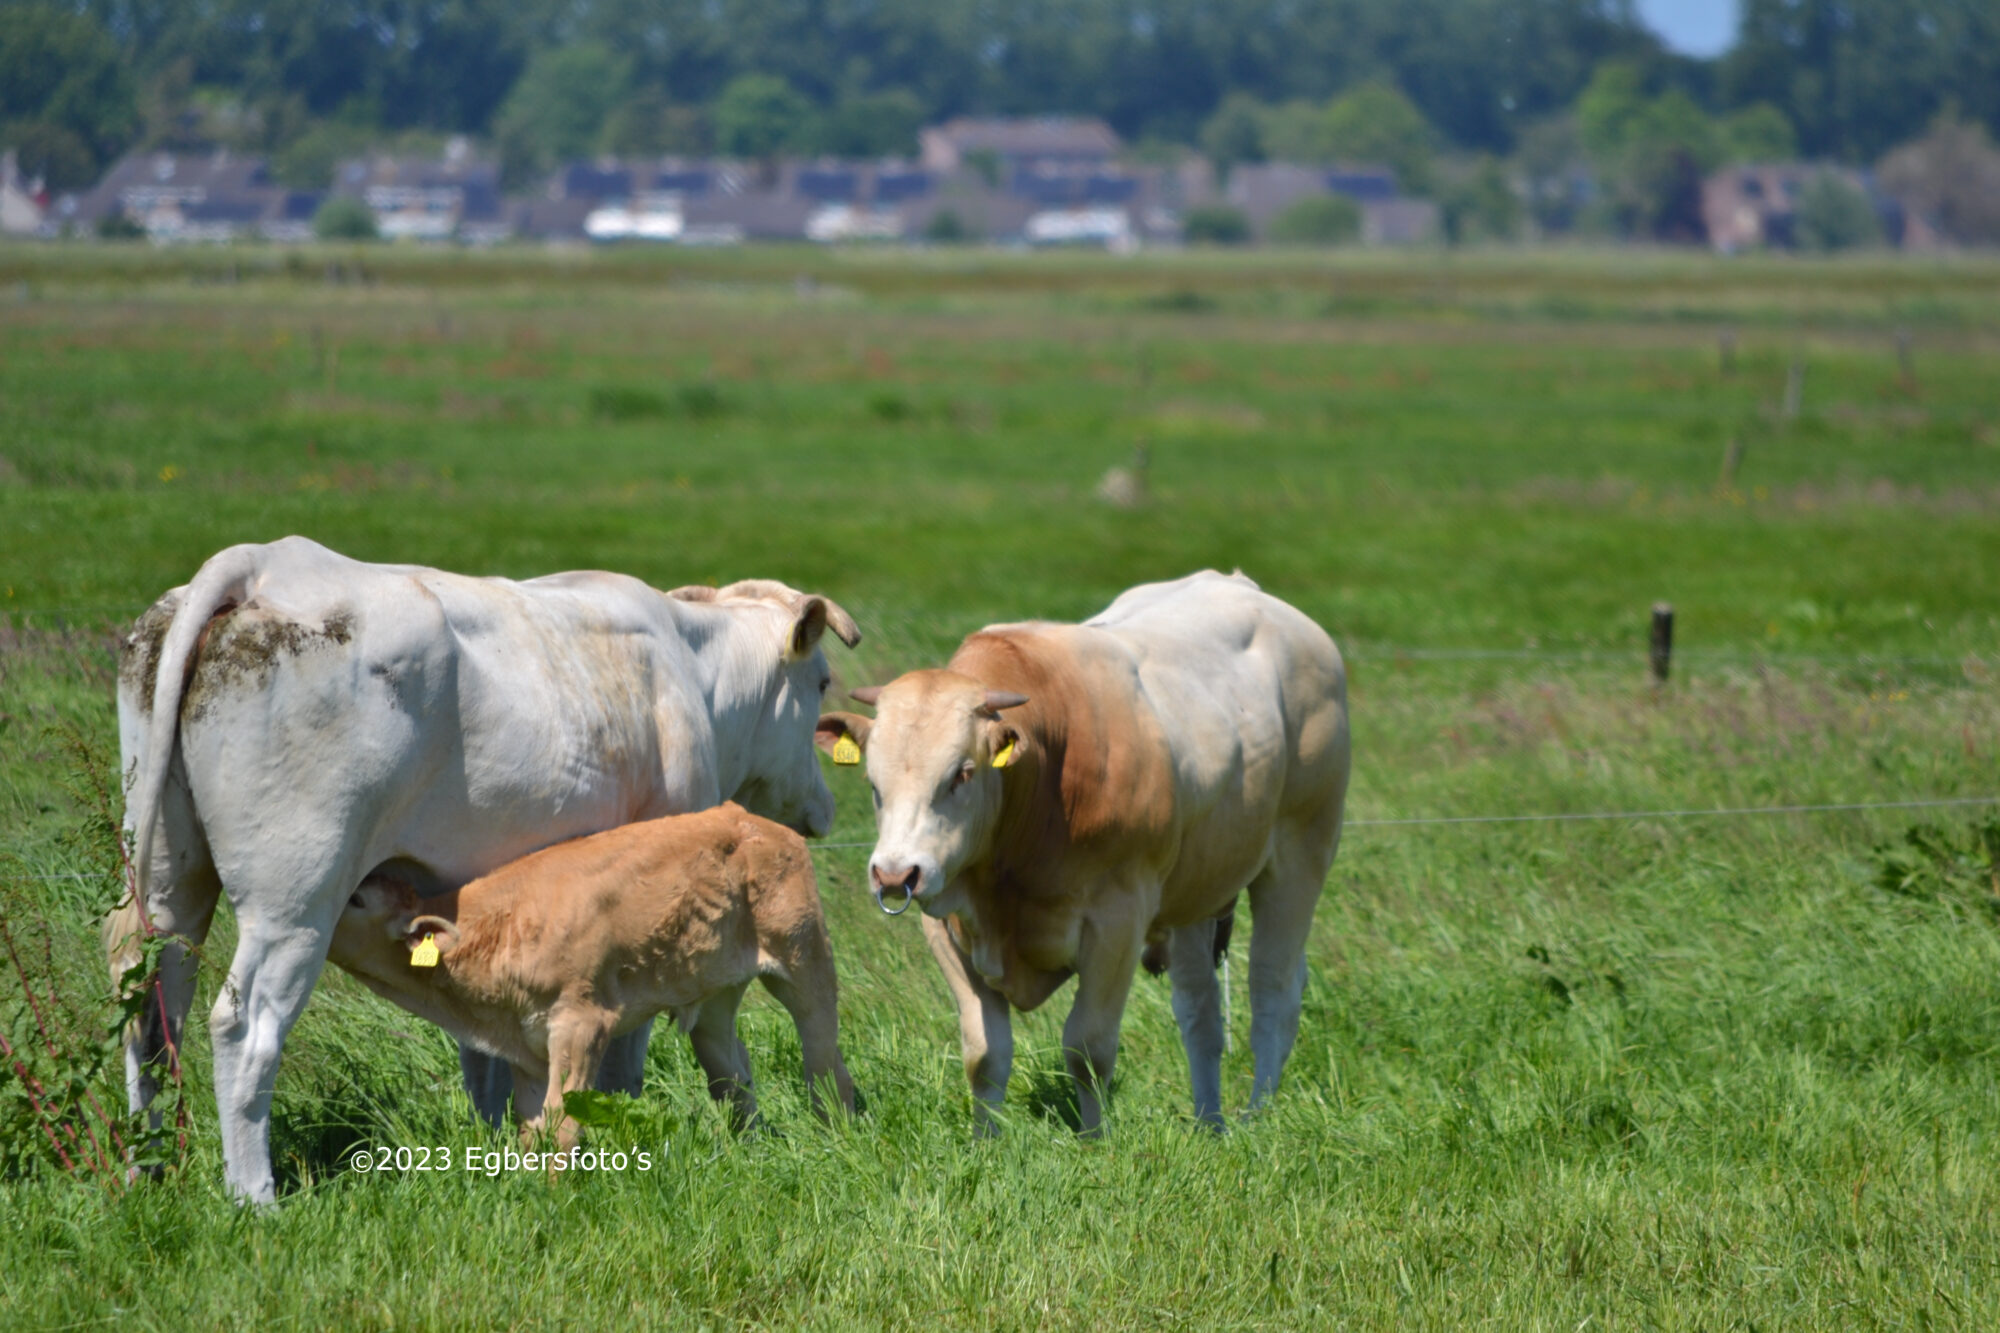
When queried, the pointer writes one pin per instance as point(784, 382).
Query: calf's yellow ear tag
point(1005, 757)
point(425, 954)
point(846, 752)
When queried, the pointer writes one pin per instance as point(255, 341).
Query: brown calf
point(548, 958)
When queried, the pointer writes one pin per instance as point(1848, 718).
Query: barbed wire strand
point(1552, 818)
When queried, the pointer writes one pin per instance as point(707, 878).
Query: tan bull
point(1063, 799)
point(546, 960)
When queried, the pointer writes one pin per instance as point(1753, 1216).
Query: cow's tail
point(222, 583)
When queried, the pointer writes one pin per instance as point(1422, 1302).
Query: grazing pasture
point(1664, 1072)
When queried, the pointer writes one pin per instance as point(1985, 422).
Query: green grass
point(1697, 1074)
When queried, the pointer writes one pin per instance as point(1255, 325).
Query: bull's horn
point(999, 699)
point(841, 623)
point(866, 694)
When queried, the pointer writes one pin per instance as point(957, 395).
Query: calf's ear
point(843, 735)
point(442, 930)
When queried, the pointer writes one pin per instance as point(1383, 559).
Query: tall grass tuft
point(61, 1043)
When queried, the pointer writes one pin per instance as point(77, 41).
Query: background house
point(22, 201)
point(198, 197)
point(1264, 190)
point(1758, 206)
point(1019, 148)
point(455, 196)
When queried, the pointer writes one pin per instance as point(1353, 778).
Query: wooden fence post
point(1732, 459)
point(1663, 640)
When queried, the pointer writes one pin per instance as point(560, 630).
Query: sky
point(1693, 27)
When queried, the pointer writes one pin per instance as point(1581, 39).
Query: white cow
point(1063, 800)
point(293, 721)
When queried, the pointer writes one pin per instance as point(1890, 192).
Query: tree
point(1608, 109)
point(758, 116)
point(1293, 132)
point(1215, 224)
point(344, 218)
point(1858, 76)
point(1482, 206)
point(1759, 133)
point(117, 225)
point(1651, 153)
point(1551, 158)
point(557, 110)
point(1235, 133)
point(1833, 215)
point(309, 161)
point(946, 227)
point(1318, 219)
point(1672, 145)
point(1952, 177)
point(881, 124)
point(1376, 123)
point(60, 72)
point(50, 153)
point(648, 123)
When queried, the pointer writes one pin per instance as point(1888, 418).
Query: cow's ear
point(808, 625)
point(1007, 743)
point(843, 735)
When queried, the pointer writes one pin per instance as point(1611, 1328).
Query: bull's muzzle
point(904, 882)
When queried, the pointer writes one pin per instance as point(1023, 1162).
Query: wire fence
point(1378, 654)
point(1558, 817)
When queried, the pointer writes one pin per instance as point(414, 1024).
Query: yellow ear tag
point(846, 752)
point(1005, 757)
point(425, 954)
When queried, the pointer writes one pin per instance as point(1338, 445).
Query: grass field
point(1656, 1072)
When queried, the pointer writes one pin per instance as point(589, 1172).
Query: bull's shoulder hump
point(1207, 593)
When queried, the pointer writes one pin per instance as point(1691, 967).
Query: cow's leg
point(623, 1068)
point(184, 913)
point(1282, 899)
point(1107, 957)
point(1198, 1010)
point(985, 1030)
point(531, 1097)
point(489, 1082)
point(183, 889)
point(278, 958)
point(724, 1057)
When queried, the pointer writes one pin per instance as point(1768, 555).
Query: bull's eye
point(963, 776)
point(876, 792)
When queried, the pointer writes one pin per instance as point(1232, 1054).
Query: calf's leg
point(578, 1036)
point(813, 1004)
point(985, 1030)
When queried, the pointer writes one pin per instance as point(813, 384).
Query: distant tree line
point(1544, 82)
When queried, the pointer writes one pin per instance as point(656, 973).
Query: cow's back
point(1225, 710)
point(452, 721)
